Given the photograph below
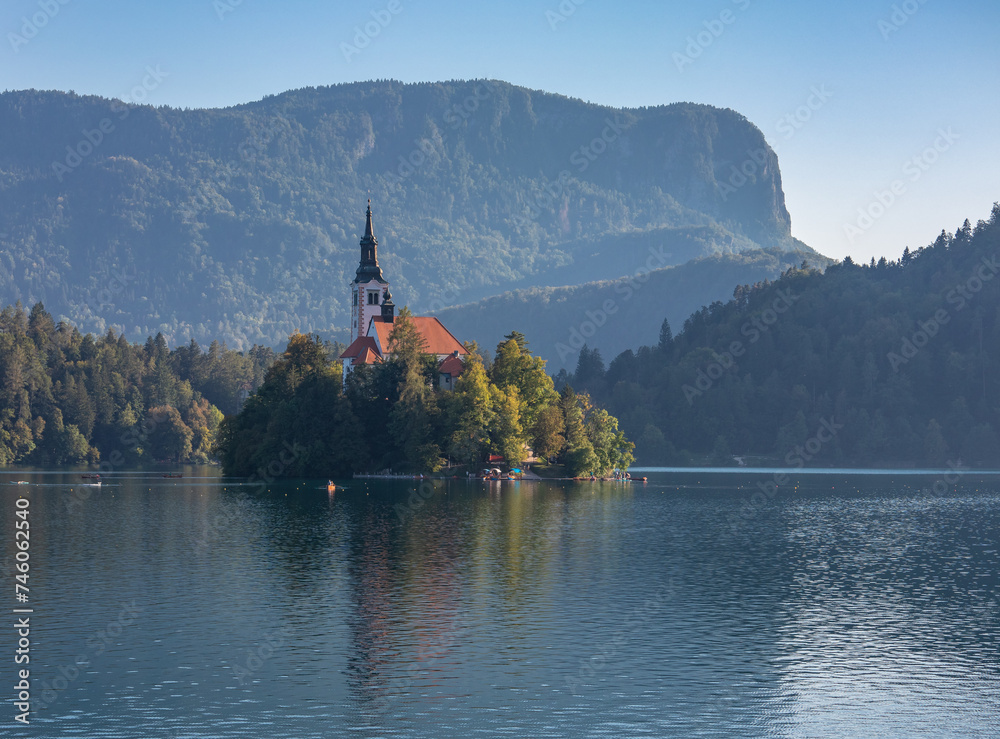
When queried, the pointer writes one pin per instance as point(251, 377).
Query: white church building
point(373, 314)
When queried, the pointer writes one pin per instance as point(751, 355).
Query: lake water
point(699, 604)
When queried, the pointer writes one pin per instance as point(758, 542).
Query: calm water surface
point(697, 605)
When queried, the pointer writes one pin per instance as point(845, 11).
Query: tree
point(406, 345)
point(548, 432)
point(411, 422)
point(666, 342)
point(471, 413)
point(303, 358)
point(652, 447)
point(515, 367)
point(611, 449)
point(507, 433)
point(413, 415)
point(169, 437)
point(40, 325)
point(589, 368)
point(579, 456)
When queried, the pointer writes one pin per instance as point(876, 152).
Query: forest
point(68, 398)
point(391, 417)
point(73, 399)
point(900, 358)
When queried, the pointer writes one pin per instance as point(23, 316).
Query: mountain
point(614, 315)
point(242, 224)
point(891, 363)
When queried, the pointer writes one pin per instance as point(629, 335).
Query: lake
point(699, 604)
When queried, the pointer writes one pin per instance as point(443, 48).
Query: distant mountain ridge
point(242, 224)
point(611, 316)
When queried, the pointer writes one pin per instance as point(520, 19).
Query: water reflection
point(846, 606)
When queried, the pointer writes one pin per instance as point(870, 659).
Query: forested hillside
point(894, 362)
point(614, 315)
point(241, 225)
point(69, 398)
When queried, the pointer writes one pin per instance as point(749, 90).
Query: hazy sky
point(864, 101)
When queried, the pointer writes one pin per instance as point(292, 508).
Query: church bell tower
point(369, 288)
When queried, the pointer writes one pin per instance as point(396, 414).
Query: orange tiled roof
point(362, 351)
point(451, 366)
point(368, 356)
point(437, 339)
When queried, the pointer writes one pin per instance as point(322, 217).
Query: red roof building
point(362, 351)
point(373, 314)
point(437, 339)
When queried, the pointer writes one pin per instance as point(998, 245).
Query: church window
point(373, 298)
point(355, 297)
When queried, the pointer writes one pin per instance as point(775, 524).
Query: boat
point(330, 486)
point(173, 475)
point(22, 482)
point(93, 476)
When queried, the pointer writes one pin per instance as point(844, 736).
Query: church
point(373, 314)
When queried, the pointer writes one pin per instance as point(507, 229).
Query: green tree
point(507, 434)
point(548, 432)
point(611, 449)
point(579, 456)
point(471, 413)
point(412, 422)
point(666, 342)
point(515, 367)
point(169, 437)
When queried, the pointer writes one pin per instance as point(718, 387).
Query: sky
point(883, 113)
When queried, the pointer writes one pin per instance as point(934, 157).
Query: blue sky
point(883, 113)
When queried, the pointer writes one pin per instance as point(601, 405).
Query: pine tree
point(666, 337)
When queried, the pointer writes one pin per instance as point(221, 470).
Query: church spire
point(369, 269)
point(369, 231)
